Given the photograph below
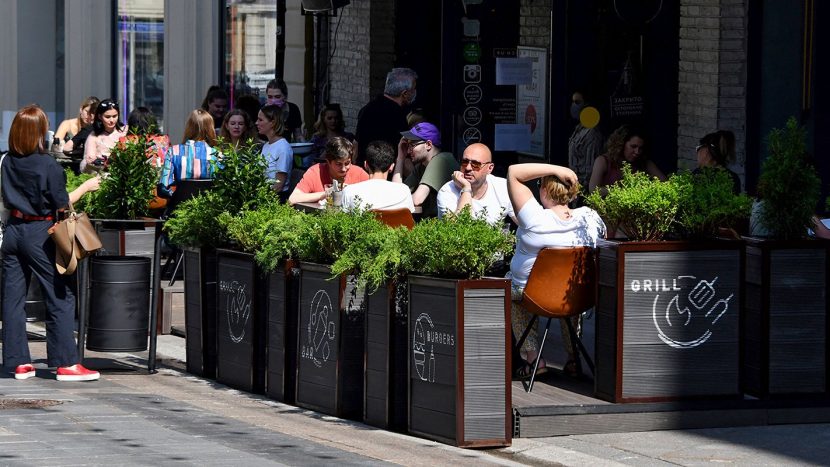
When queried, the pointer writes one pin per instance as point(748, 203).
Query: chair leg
point(526, 333)
point(529, 388)
point(179, 260)
point(576, 341)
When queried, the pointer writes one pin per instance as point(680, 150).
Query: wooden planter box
point(283, 293)
point(240, 322)
point(459, 354)
point(668, 320)
point(785, 326)
point(386, 358)
point(330, 343)
point(200, 310)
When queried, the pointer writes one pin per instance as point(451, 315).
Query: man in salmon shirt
point(338, 166)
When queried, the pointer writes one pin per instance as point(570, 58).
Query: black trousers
point(29, 252)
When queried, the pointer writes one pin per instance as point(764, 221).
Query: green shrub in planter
point(789, 186)
point(374, 255)
point(126, 191)
point(706, 203)
point(643, 206)
point(330, 234)
point(194, 222)
point(455, 246)
point(73, 181)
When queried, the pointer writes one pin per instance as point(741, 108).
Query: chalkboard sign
point(283, 291)
point(668, 320)
point(459, 383)
point(200, 311)
point(240, 323)
point(330, 343)
point(785, 325)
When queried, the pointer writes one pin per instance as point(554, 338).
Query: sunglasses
point(701, 146)
point(109, 105)
point(412, 144)
point(476, 165)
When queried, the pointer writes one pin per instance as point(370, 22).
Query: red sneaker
point(76, 372)
point(24, 371)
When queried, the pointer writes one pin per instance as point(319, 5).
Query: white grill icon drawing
point(679, 318)
point(320, 328)
point(239, 311)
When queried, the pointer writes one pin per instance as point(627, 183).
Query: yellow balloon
point(589, 117)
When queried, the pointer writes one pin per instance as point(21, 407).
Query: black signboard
point(283, 290)
point(240, 323)
point(330, 343)
point(200, 311)
point(677, 327)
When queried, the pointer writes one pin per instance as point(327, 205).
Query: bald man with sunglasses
point(474, 185)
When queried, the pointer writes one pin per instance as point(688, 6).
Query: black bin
point(119, 313)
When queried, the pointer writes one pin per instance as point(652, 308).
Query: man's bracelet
point(466, 190)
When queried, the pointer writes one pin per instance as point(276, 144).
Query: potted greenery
point(672, 303)
point(332, 313)
point(459, 334)
point(785, 334)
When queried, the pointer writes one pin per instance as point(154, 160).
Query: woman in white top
point(107, 129)
point(551, 223)
point(277, 151)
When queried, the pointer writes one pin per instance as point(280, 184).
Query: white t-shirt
point(495, 201)
point(378, 194)
point(540, 228)
point(280, 159)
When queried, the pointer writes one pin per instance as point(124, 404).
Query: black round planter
point(119, 303)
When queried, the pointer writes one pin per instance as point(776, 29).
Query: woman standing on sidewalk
point(33, 187)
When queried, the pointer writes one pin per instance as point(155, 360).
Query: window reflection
point(141, 56)
point(250, 44)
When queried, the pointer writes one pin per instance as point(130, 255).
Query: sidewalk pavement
point(132, 418)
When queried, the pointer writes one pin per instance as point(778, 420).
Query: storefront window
point(141, 56)
point(250, 44)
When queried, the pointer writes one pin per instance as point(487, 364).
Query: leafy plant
point(126, 191)
point(455, 246)
point(643, 206)
point(330, 233)
point(74, 181)
point(194, 222)
point(789, 186)
point(240, 178)
point(706, 203)
point(374, 256)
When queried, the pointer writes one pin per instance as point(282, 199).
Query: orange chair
point(562, 284)
point(395, 217)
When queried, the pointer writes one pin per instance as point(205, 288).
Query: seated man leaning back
point(378, 192)
point(338, 166)
point(433, 168)
point(474, 184)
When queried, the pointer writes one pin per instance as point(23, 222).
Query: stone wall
point(534, 23)
point(712, 75)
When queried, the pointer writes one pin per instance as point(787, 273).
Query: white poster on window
point(531, 100)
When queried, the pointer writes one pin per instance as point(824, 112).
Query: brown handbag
point(75, 238)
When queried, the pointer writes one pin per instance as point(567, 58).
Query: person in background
point(216, 104)
point(141, 121)
point(72, 127)
point(276, 92)
point(550, 223)
point(237, 128)
point(338, 166)
point(107, 129)
point(378, 192)
point(475, 185)
point(713, 152)
point(279, 157)
point(250, 104)
point(626, 144)
point(585, 144)
point(328, 125)
point(192, 159)
point(384, 118)
point(432, 167)
point(34, 190)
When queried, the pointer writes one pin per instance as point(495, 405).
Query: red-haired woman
point(193, 158)
point(33, 187)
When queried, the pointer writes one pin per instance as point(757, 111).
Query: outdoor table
point(83, 279)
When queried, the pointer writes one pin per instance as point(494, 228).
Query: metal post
point(154, 304)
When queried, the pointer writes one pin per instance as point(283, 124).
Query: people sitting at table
point(279, 157)
point(378, 192)
point(715, 152)
point(475, 185)
point(328, 125)
point(70, 128)
point(338, 166)
point(107, 129)
point(626, 144)
point(432, 167)
point(141, 121)
point(192, 159)
point(549, 224)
